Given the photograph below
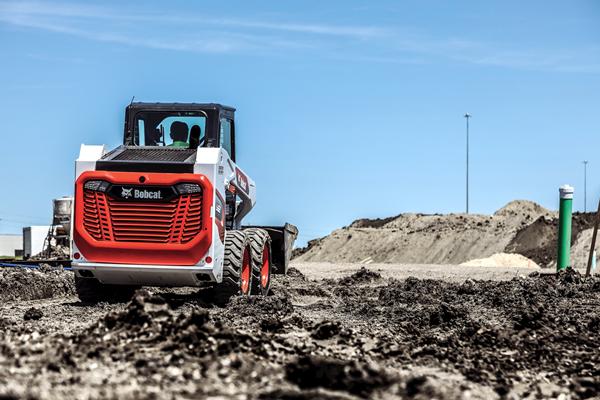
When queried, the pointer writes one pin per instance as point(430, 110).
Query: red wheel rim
point(246, 271)
point(265, 269)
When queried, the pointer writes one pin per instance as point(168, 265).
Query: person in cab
point(179, 134)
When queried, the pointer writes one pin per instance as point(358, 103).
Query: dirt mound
point(55, 253)
point(519, 208)
point(521, 227)
point(295, 273)
point(29, 284)
point(310, 245)
point(580, 250)
point(362, 276)
point(326, 330)
point(538, 241)
point(426, 239)
point(372, 223)
point(278, 305)
point(33, 313)
point(352, 376)
point(503, 260)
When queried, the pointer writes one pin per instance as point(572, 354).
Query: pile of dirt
point(363, 275)
point(539, 240)
point(427, 239)
point(54, 253)
point(580, 251)
point(30, 284)
point(351, 376)
point(502, 260)
point(521, 227)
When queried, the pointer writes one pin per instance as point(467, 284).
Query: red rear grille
point(175, 221)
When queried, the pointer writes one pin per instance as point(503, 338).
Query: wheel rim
point(246, 271)
point(266, 268)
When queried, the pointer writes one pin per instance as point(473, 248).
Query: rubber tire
point(90, 290)
point(258, 239)
point(236, 243)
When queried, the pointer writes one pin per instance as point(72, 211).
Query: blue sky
point(346, 109)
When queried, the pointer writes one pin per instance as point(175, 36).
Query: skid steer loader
point(166, 209)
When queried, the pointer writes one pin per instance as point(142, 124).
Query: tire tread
point(258, 238)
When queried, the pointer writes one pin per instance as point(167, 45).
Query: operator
point(179, 134)
point(195, 137)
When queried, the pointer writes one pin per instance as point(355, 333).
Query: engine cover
point(143, 217)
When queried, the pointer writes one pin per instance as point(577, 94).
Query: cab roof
point(179, 106)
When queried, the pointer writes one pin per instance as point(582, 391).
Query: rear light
point(96, 186)
point(76, 256)
point(208, 259)
point(188, 188)
point(102, 186)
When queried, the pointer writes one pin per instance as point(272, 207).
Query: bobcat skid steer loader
point(166, 209)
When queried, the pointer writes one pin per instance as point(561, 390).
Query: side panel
point(88, 155)
point(208, 162)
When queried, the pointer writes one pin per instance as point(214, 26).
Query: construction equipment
point(56, 244)
point(166, 209)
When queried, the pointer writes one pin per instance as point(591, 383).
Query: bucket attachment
point(282, 244)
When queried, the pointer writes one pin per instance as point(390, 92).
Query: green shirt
point(178, 143)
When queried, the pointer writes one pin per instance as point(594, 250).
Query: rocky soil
point(358, 335)
point(31, 284)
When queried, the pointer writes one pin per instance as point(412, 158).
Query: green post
point(564, 227)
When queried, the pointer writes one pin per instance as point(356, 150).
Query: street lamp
point(585, 163)
point(467, 116)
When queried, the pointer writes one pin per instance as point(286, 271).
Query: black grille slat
point(149, 154)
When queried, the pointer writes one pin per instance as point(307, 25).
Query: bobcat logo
point(126, 193)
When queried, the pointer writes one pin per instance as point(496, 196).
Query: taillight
point(96, 186)
point(188, 188)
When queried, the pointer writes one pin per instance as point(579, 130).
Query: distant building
point(10, 244)
point(33, 240)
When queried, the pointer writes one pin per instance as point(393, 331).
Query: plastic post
point(564, 227)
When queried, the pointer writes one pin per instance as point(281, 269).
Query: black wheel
point(260, 250)
point(237, 266)
point(90, 290)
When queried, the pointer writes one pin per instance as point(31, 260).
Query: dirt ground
point(393, 331)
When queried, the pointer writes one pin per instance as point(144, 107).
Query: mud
point(358, 336)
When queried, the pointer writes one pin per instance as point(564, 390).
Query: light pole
point(467, 116)
point(585, 163)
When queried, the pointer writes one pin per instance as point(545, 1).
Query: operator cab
point(180, 125)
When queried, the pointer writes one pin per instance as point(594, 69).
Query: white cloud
point(193, 33)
